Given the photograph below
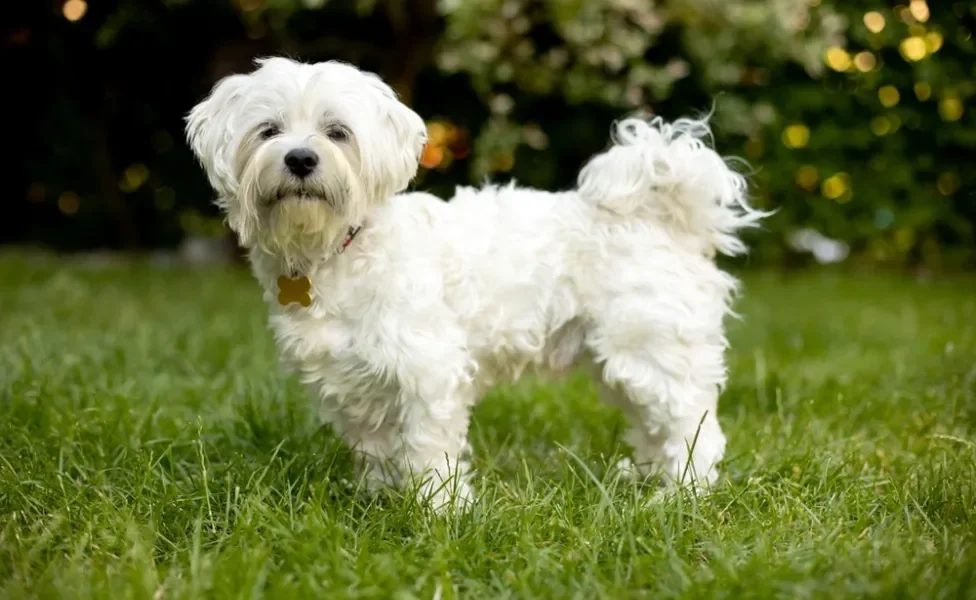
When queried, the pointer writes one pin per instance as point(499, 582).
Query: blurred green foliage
point(853, 113)
point(854, 116)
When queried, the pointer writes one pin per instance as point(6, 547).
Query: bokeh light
point(432, 156)
point(796, 136)
point(905, 14)
point(807, 177)
point(74, 10)
point(837, 187)
point(446, 143)
point(881, 126)
point(923, 91)
point(948, 183)
point(503, 162)
point(950, 109)
point(754, 147)
point(838, 59)
point(919, 10)
point(888, 95)
point(874, 21)
point(913, 48)
point(133, 177)
point(865, 61)
point(933, 41)
point(69, 203)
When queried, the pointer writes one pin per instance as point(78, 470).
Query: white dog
point(400, 310)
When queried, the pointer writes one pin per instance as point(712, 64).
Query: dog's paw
point(626, 469)
point(451, 497)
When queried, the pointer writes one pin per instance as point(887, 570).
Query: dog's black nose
point(301, 161)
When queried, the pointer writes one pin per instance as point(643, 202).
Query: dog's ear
point(399, 143)
point(210, 131)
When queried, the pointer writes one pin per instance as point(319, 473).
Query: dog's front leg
point(434, 451)
point(425, 442)
point(423, 447)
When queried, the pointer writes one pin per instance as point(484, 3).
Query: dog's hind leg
point(682, 450)
point(668, 388)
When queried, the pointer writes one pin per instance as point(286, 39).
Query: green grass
point(151, 448)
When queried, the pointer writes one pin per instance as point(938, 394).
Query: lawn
point(151, 448)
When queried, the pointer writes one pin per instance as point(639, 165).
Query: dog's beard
point(300, 221)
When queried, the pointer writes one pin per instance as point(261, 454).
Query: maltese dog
point(399, 310)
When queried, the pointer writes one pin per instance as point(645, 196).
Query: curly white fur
point(434, 302)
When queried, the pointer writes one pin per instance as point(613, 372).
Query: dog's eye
point(269, 132)
point(337, 133)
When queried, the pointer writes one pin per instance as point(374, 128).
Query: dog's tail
point(667, 172)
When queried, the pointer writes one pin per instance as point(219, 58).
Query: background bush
point(854, 115)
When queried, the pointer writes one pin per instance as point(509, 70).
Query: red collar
point(350, 236)
point(293, 273)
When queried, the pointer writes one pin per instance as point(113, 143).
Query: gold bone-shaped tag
point(294, 290)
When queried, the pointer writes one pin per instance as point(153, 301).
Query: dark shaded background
point(861, 134)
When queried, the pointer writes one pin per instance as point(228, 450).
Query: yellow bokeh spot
point(836, 186)
point(754, 147)
point(923, 91)
point(436, 133)
point(68, 203)
point(837, 59)
point(74, 10)
point(865, 61)
point(947, 183)
point(950, 109)
point(796, 136)
point(874, 21)
point(913, 48)
point(919, 10)
point(134, 177)
point(895, 122)
point(933, 41)
point(888, 95)
point(904, 238)
point(906, 15)
point(880, 126)
point(806, 177)
point(503, 162)
point(916, 29)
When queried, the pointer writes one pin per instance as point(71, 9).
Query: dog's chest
point(323, 351)
point(304, 338)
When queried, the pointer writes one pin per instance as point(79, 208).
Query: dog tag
point(294, 290)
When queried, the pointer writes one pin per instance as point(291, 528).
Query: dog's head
point(299, 152)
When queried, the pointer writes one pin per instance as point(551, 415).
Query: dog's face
point(299, 152)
